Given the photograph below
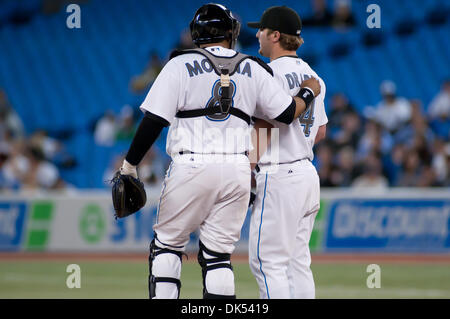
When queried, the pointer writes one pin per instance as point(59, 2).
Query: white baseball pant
point(286, 204)
point(208, 193)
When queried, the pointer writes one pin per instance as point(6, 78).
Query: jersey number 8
point(214, 100)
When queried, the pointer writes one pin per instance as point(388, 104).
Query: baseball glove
point(128, 195)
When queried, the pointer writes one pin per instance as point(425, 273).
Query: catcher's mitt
point(128, 195)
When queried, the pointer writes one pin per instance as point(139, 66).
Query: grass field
point(128, 279)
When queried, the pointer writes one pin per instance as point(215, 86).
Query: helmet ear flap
point(195, 34)
point(235, 32)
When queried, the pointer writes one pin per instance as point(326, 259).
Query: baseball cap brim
point(255, 25)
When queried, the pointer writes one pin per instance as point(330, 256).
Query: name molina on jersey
point(205, 66)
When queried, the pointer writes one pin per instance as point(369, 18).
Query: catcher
point(203, 94)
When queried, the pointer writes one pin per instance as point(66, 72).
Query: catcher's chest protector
point(224, 67)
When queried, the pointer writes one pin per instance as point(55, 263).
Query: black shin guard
point(152, 280)
point(220, 260)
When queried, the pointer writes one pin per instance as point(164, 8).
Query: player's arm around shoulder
point(272, 96)
point(309, 90)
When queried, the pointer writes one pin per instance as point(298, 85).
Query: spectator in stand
point(423, 148)
point(372, 176)
point(441, 162)
point(9, 120)
point(439, 112)
point(6, 141)
point(16, 167)
point(324, 164)
point(42, 174)
point(417, 108)
point(321, 15)
point(127, 125)
point(143, 81)
point(51, 149)
point(440, 105)
point(393, 112)
point(4, 154)
point(343, 17)
point(344, 174)
point(393, 163)
point(417, 126)
point(373, 139)
point(411, 171)
point(427, 178)
point(339, 107)
point(106, 129)
point(349, 132)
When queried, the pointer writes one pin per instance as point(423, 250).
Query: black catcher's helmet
point(214, 23)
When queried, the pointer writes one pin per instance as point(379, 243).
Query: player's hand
point(313, 84)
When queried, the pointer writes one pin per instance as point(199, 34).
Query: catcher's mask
point(214, 23)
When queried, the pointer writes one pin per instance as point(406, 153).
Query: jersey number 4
point(307, 119)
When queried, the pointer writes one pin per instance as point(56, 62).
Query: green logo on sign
point(92, 224)
point(39, 225)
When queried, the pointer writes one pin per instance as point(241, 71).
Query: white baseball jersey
point(296, 140)
point(189, 82)
point(287, 199)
